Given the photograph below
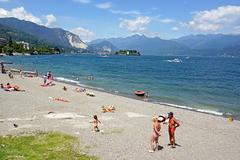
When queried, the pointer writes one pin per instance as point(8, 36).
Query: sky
point(93, 19)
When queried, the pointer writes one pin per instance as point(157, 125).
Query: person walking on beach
point(95, 123)
point(172, 125)
point(155, 134)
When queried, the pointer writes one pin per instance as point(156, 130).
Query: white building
point(24, 44)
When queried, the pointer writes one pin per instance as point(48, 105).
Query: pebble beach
point(125, 133)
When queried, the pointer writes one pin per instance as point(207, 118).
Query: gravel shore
point(125, 134)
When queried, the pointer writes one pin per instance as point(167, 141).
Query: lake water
point(204, 84)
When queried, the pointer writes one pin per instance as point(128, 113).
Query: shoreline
point(189, 108)
point(198, 110)
point(125, 134)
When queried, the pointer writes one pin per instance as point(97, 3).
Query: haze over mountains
point(198, 45)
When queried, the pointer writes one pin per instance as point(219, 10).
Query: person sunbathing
point(60, 99)
point(17, 88)
point(9, 87)
point(78, 89)
point(108, 109)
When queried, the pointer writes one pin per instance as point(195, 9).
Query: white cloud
point(215, 19)
point(175, 29)
point(51, 20)
point(166, 20)
point(19, 13)
point(236, 30)
point(105, 5)
point(135, 25)
point(82, 1)
point(126, 12)
point(84, 34)
point(22, 14)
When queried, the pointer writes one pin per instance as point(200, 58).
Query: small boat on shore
point(139, 93)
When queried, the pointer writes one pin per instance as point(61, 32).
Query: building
point(3, 41)
point(24, 44)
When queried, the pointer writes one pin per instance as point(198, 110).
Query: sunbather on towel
point(108, 109)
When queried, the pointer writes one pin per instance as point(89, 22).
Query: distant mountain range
point(146, 45)
point(53, 36)
point(210, 41)
point(192, 45)
point(102, 46)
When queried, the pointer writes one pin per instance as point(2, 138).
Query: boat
point(175, 60)
point(139, 93)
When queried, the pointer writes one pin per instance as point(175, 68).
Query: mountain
point(16, 35)
point(102, 46)
point(56, 36)
point(209, 41)
point(146, 45)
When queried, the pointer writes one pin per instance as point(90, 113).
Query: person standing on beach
point(155, 134)
point(21, 73)
point(49, 75)
point(172, 125)
point(44, 79)
point(95, 123)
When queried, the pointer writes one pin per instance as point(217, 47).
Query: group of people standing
point(172, 125)
point(48, 78)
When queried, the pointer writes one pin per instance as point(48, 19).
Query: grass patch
point(41, 146)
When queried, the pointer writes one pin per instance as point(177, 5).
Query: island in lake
point(128, 52)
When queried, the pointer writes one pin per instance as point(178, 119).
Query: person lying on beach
point(9, 87)
point(17, 88)
point(108, 109)
point(155, 134)
point(172, 125)
point(90, 94)
point(95, 123)
point(58, 99)
point(78, 89)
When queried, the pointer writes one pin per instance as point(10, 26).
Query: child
point(95, 123)
point(155, 134)
point(45, 80)
point(172, 125)
point(64, 88)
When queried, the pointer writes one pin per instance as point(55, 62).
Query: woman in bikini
point(172, 125)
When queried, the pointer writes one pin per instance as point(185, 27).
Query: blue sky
point(92, 19)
